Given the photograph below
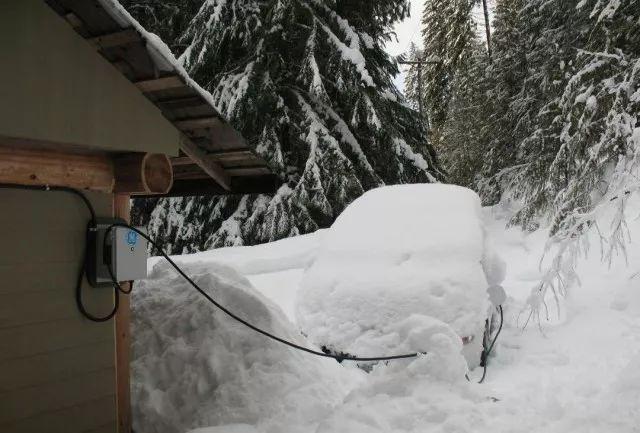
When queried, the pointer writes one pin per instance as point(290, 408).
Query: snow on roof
point(160, 52)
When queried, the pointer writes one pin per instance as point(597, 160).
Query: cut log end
point(143, 173)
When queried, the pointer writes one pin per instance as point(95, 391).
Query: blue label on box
point(132, 237)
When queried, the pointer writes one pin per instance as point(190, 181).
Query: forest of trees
point(539, 108)
point(543, 113)
point(549, 116)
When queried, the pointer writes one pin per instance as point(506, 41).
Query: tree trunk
point(487, 27)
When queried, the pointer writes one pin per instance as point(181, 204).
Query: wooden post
point(121, 209)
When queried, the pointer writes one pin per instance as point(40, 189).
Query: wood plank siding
point(57, 369)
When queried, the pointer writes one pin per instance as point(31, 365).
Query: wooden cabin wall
point(57, 369)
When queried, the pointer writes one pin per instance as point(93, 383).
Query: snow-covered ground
point(194, 368)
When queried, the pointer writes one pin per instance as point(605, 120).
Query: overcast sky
point(409, 31)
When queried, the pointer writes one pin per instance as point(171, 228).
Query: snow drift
point(195, 367)
point(397, 252)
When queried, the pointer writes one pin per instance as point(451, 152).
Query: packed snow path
point(577, 372)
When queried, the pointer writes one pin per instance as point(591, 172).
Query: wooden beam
point(239, 185)
point(118, 39)
point(243, 163)
point(222, 136)
point(191, 171)
point(198, 123)
point(125, 68)
point(51, 164)
point(212, 133)
point(248, 171)
point(225, 156)
point(203, 135)
point(184, 102)
point(25, 166)
point(121, 209)
point(231, 152)
point(181, 160)
point(192, 175)
point(74, 20)
point(156, 84)
point(185, 168)
point(212, 168)
point(234, 155)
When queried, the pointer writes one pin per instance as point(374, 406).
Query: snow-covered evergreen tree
point(563, 135)
point(548, 34)
point(459, 143)
point(447, 29)
point(308, 83)
point(596, 116)
point(453, 68)
point(414, 90)
point(595, 127)
point(504, 83)
point(558, 66)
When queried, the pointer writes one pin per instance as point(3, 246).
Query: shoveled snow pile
point(394, 253)
point(424, 394)
point(194, 367)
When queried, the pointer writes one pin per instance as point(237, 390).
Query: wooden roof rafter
point(213, 146)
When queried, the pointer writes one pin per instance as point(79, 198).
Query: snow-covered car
point(394, 255)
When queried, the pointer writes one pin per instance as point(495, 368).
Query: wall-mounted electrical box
point(122, 248)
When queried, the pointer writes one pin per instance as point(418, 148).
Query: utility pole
point(419, 64)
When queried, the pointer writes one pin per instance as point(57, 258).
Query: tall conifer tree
point(309, 84)
point(447, 29)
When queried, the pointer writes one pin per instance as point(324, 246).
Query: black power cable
point(92, 226)
point(267, 334)
point(487, 352)
point(66, 189)
point(114, 281)
point(118, 289)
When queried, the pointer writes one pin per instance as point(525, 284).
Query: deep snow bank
point(396, 252)
point(424, 394)
point(577, 370)
point(579, 373)
point(195, 367)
